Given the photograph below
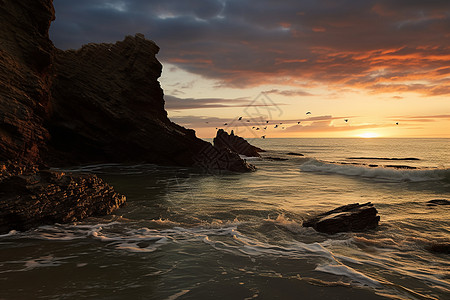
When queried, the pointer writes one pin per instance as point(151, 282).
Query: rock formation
point(101, 103)
point(235, 143)
point(32, 198)
point(436, 202)
point(351, 217)
point(25, 77)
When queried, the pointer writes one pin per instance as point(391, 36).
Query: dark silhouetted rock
point(101, 103)
point(436, 202)
point(352, 217)
point(45, 197)
point(108, 106)
point(25, 77)
point(235, 143)
point(443, 248)
point(275, 158)
point(294, 154)
point(211, 159)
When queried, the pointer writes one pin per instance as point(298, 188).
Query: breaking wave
point(390, 173)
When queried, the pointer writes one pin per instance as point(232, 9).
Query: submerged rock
point(275, 158)
point(436, 202)
point(351, 217)
point(294, 154)
point(235, 143)
point(31, 199)
point(443, 248)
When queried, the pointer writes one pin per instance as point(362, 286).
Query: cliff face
point(101, 103)
point(25, 77)
point(108, 106)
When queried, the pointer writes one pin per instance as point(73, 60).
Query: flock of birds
point(276, 125)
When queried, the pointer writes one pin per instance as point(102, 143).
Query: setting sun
point(368, 135)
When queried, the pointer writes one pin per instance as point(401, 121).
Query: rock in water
point(436, 202)
point(351, 217)
point(45, 197)
point(235, 143)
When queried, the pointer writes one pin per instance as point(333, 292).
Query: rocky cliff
point(101, 103)
point(25, 77)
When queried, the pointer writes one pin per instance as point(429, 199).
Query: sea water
point(185, 234)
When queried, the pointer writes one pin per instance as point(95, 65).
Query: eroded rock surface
point(351, 217)
point(235, 143)
point(30, 198)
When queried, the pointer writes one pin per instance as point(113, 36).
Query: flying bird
point(267, 122)
point(346, 120)
point(257, 128)
point(276, 126)
point(225, 124)
point(298, 122)
point(308, 113)
point(396, 123)
point(240, 118)
point(263, 137)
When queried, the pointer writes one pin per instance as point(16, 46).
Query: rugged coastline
point(101, 103)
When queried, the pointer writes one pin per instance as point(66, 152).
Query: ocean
point(185, 234)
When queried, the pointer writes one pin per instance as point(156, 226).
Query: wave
point(390, 173)
point(384, 158)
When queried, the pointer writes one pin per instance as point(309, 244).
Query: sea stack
point(235, 143)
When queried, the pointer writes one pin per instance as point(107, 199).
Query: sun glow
point(368, 135)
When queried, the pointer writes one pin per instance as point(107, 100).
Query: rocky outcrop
point(30, 198)
point(235, 143)
point(100, 103)
point(25, 77)
point(436, 202)
point(351, 217)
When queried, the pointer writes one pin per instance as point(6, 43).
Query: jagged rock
point(25, 77)
point(351, 217)
point(443, 248)
point(211, 159)
point(235, 143)
point(436, 202)
point(275, 158)
point(100, 103)
point(45, 197)
point(294, 154)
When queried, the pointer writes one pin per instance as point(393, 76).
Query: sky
point(323, 68)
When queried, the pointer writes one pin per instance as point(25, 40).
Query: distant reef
point(101, 103)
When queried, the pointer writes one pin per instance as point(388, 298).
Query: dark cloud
point(289, 93)
point(175, 103)
point(380, 45)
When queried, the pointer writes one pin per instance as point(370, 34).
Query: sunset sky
point(373, 63)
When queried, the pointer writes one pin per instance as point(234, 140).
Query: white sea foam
point(284, 222)
point(385, 173)
point(249, 157)
point(343, 270)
